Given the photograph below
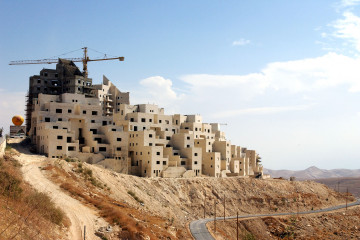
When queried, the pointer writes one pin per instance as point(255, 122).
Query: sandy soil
point(78, 214)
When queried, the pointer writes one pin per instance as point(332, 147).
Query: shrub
point(248, 236)
point(69, 159)
point(88, 172)
point(10, 185)
point(131, 193)
point(46, 207)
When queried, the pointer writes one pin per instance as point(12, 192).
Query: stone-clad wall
point(2, 146)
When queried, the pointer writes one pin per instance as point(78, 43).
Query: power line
point(101, 52)
point(66, 53)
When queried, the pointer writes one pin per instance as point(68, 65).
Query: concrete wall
point(172, 172)
point(2, 146)
point(120, 166)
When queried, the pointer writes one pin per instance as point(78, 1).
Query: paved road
point(199, 230)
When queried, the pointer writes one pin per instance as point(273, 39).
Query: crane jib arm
point(49, 61)
point(42, 61)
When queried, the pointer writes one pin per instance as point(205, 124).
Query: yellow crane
point(84, 60)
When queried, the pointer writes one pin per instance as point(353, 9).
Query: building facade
point(100, 126)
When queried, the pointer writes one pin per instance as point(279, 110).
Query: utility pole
point(297, 209)
point(237, 225)
point(347, 193)
point(224, 207)
point(84, 232)
point(215, 214)
point(204, 204)
point(338, 186)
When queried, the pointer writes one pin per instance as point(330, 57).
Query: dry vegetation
point(26, 213)
point(157, 208)
point(162, 208)
point(337, 225)
point(127, 222)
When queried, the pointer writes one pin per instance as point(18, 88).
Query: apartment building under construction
point(68, 116)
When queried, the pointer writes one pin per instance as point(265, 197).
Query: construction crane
point(84, 60)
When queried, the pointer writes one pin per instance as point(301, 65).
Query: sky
point(284, 76)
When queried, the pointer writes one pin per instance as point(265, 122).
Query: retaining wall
point(2, 146)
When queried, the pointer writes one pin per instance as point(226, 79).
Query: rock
point(109, 229)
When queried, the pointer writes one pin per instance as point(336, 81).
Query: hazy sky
point(284, 75)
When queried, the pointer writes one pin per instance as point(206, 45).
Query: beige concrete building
point(102, 127)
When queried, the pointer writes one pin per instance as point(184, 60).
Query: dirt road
point(78, 214)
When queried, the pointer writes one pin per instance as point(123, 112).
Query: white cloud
point(330, 70)
point(259, 111)
point(159, 87)
point(349, 3)
point(208, 94)
point(241, 42)
point(348, 29)
point(157, 90)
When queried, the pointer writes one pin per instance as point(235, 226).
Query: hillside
point(161, 208)
point(26, 213)
point(342, 184)
point(336, 225)
point(313, 173)
point(170, 204)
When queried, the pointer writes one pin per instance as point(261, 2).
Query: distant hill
point(313, 173)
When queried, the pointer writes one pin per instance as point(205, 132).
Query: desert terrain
point(119, 206)
point(341, 224)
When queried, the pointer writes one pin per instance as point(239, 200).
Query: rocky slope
point(158, 208)
point(336, 225)
point(166, 206)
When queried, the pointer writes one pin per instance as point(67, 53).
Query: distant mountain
point(313, 173)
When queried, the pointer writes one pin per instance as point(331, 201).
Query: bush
point(10, 185)
point(88, 172)
point(46, 207)
point(131, 193)
point(248, 236)
point(67, 159)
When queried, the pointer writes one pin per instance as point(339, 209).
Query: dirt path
point(78, 214)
